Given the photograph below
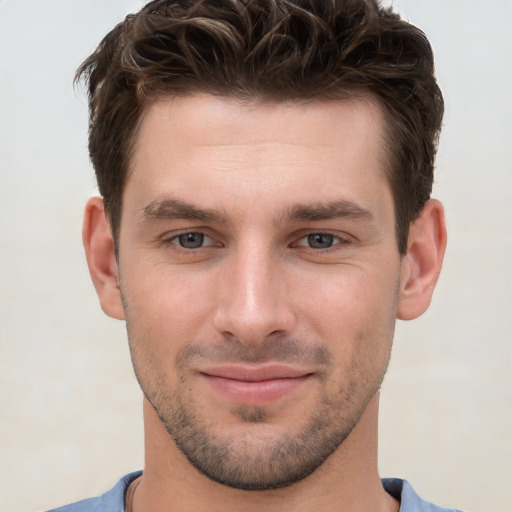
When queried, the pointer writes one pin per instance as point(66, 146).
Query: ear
point(421, 265)
point(99, 250)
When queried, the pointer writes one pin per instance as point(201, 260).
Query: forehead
point(214, 120)
point(220, 151)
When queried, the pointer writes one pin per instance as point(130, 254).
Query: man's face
point(259, 272)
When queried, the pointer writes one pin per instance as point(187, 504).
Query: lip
point(254, 384)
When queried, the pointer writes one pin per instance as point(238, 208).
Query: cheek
point(168, 306)
point(350, 298)
point(354, 315)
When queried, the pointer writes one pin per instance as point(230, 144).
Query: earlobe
point(421, 265)
point(99, 250)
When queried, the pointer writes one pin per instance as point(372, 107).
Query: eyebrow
point(325, 211)
point(175, 209)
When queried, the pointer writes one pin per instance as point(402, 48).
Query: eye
point(320, 241)
point(192, 240)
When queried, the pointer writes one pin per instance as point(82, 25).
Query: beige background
point(70, 422)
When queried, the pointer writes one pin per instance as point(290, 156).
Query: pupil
point(191, 240)
point(320, 240)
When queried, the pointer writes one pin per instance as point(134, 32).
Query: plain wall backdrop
point(71, 419)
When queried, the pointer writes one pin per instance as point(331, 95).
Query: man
point(265, 168)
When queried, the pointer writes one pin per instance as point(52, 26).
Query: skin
point(259, 237)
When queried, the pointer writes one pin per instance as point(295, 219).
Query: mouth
point(255, 384)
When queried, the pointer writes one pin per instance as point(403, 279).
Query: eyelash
point(336, 241)
point(174, 240)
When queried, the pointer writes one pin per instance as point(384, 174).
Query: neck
point(347, 480)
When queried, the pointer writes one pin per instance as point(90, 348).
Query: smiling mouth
point(244, 384)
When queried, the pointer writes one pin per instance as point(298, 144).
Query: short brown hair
point(270, 50)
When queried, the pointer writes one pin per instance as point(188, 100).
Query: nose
point(253, 303)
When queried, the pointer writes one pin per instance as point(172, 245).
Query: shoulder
point(403, 491)
point(111, 501)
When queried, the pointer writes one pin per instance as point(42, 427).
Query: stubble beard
point(260, 460)
point(256, 456)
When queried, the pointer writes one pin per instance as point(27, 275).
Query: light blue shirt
point(113, 500)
